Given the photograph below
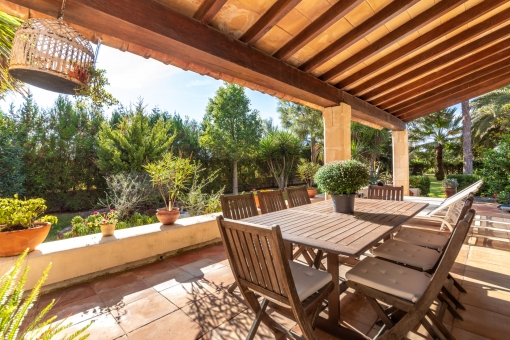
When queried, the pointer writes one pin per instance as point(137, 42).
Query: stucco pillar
point(337, 133)
point(401, 160)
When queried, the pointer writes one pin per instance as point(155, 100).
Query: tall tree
point(434, 131)
point(467, 147)
point(491, 116)
point(8, 25)
point(231, 130)
point(306, 123)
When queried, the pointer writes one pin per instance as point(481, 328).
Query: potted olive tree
point(342, 180)
point(22, 224)
point(450, 186)
point(306, 171)
point(171, 175)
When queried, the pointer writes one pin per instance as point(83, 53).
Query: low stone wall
point(82, 258)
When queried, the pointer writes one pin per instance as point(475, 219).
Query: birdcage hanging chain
point(61, 13)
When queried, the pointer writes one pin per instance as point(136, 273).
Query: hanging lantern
point(52, 55)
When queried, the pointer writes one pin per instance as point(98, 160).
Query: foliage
point(495, 170)
point(418, 166)
point(11, 161)
point(342, 177)
point(450, 183)
point(14, 308)
point(420, 182)
point(306, 171)
point(133, 142)
point(94, 94)
point(463, 180)
point(171, 175)
point(491, 116)
point(196, 200)
point(280, 150)
point(8, 26)
point(16, 214)
point(127, 191)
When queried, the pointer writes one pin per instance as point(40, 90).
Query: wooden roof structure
point(391, 61)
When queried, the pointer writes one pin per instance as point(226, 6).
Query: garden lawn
point(436, 188)
point(64, 220)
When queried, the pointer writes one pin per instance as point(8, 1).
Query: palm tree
point(8, 25)
point(434, 131)
point(467, 147)
point(491, 113)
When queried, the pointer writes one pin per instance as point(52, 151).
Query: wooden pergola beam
point(357, 33)
point(208, 10)
point(272, 16)
point(437, 63)
point(394, 36)
point(319, 25)
point(428, 38)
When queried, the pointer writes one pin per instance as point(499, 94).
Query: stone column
point(401, 160)
point(337, 133)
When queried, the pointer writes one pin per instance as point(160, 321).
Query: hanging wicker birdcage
point(49, 54)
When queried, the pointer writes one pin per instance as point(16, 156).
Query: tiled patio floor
point(185, 297)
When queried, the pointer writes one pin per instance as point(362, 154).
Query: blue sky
point(165, 86)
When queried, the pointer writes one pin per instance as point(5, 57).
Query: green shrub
point(342, 177)
point(16, 214)
point(420, 182)
point(464, 180)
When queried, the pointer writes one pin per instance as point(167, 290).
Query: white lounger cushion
point(308, 280)
point(390, 278)
point(408, 253)
point(421, 238)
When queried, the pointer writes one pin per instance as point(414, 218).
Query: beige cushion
point(390, 278)
point(408, 253)
point(421, 238)
point(308, 280)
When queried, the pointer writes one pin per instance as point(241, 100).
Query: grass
point(436, 188)
point(64, 220)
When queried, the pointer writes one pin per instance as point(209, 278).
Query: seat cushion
point(407, 253)
point(308, 280)
point(390, 278)
point(421, 238)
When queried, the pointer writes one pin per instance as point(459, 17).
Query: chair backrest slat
point(271, 201)
point(239, 206)
point(457, 197)
point(297, 196)
point(386, 192)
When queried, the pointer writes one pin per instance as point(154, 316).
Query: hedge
point(466, 180)
point(420, 182)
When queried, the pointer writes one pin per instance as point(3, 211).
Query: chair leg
point(258, 318)
point(452, 298)
point(439, 325)
point(264, 318)
point(452, 310)
point(318, 258)
point(232, 287)
point(380, 312)
point(428, 327)
point(456, 284)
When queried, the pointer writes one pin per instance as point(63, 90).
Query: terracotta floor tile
point(152, 269)
point(167, 279)
point(459, 333)
point(200, 267)
point(183, 259)
point(479, 278)
point(221, 277)
point(486, 298)
point(113, 281)
point(220, 258)
point(349, 322)
point(356, 307)
point(175, 325)
point(66, 295)
point(103, 327)
point(126, 294)
point(283, 319)
point(210, 250)
point(482, 322)
point(186, 292)
point(142, 312)
point(80, 310)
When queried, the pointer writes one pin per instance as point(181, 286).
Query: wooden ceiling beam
point(322, 23)
point(394, 36)
point(428, 38)
point(458, 94)
point(425, 98)
point(208, 10)
point(443, 76)
point(272, 16)
point(357, 33)
point(437, 63)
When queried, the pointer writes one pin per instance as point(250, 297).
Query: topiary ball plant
point(342, 177)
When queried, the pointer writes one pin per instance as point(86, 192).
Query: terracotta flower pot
point(312, 192)
point(450, 192)
point(15, 242)
point(107, 229)
point(168, 217)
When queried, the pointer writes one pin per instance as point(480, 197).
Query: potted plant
point(170, 175)
point(105, 221)
point(22, 225)
point(306, 171)
point(342, 180)
point(450, 186)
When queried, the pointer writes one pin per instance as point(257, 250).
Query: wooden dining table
point(343, 237)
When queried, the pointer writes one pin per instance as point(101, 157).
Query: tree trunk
point(235, 190)
point(439, 162)
point(467, 148)
point(312, 146)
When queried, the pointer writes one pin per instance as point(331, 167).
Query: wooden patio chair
point(271, 201)
point(257, 257)
point(386, 192)
point(297, 196)
point(410, 293)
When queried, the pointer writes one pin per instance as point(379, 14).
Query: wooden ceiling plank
point(488, 72)
point(456, 93)
point(350, 38)
point(394, 36)
point(322, 23)
point(272, 16)
point(452, 72)
point(428, 38)
point(435, 64)
point(208, 10)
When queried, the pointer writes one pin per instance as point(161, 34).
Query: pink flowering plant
point(92, 223)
